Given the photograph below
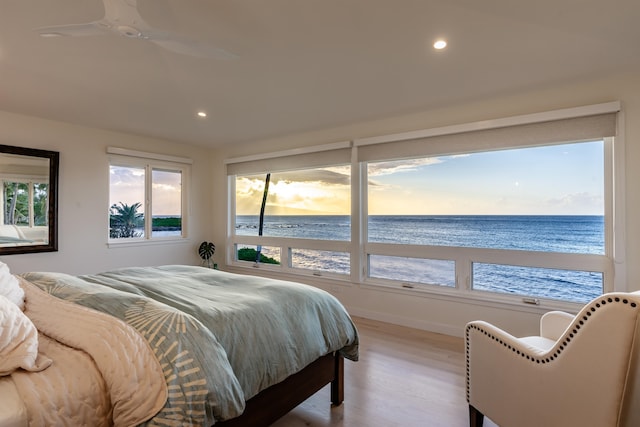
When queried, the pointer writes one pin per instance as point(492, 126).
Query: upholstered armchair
point(581, 370)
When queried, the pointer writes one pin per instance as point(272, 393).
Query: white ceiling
point(302, 64)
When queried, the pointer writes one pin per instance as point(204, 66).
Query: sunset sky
point(553, 180)
point(127, 186)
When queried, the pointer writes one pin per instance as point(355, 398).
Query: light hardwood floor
point(405, 377)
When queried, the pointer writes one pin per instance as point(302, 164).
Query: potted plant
point(206, 251)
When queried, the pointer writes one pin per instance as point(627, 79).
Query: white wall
point(84, 197)
point(445, 315)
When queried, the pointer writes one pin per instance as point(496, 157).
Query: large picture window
point(520, 209)
point(147, 199)
point(546, 199)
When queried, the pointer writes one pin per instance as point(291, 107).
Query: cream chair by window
point(581, 370)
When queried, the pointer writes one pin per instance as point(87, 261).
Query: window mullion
point(148, 187)
point(31, 201)
point(358, 218)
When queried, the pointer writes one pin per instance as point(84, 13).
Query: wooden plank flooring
point(405, 377)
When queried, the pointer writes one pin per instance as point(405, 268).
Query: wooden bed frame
point(272, 403)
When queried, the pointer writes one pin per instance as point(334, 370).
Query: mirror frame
point(54, 164)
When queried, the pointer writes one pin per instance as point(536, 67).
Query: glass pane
point(566, 285)
point(268, 254)
point(547, 198)
point(308, 203)
point(40, 204)
point(329, 261)
point(166, 198)
point(413, 270)
point(16, 203)
point(126, 201)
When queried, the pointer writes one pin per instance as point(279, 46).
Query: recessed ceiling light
point(440, 44)
point(202, 114)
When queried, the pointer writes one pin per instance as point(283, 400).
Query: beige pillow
point(18, 341)
point(10, 287)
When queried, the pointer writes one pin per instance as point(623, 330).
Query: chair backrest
point(608, 327)
point(630, 410)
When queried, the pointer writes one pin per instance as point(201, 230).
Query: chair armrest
point(554, 323)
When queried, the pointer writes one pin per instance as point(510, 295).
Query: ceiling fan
point(122, 18)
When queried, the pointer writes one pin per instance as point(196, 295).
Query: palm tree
point(40, 204)
point(124, 219)
point(16, 202)
point(262, 207)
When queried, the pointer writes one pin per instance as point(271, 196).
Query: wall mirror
point(28, 219)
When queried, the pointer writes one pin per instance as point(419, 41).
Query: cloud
point(323, 191)
point(578, 201)
point(327, 176)
point(126, 176)
point(388, 168)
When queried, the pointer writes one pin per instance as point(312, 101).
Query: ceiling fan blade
point(96, 28)
point(191, 48)
point(123, 18)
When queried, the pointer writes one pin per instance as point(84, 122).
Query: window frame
point(150, 162)
point(465, 257)
point(611, 263)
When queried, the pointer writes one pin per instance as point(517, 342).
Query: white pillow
point(18, 341)
point(10, 287)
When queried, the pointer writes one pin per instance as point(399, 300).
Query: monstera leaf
point(206, 251)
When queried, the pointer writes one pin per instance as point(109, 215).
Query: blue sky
point(552, 180)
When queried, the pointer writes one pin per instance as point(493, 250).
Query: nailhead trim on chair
point(576, 327)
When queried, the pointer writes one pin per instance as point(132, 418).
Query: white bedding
point(100, 364)
point(12, 410)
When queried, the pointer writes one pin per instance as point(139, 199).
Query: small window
point(568, 285)
point(26, 203)
point(321, 261)
point(147, 199)
point(413, 270)
point(258, 254)
point(167, 207)
point(127, 202)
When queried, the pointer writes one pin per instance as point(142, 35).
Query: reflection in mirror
point(29, 180)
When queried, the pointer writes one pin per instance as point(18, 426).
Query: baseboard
point(440, 328)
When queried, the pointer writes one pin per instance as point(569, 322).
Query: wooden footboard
point(271, 404)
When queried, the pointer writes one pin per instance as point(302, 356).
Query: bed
point(173, 345)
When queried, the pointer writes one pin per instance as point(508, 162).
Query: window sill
point(147, 242)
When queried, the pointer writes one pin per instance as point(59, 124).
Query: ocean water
point(564, 234)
